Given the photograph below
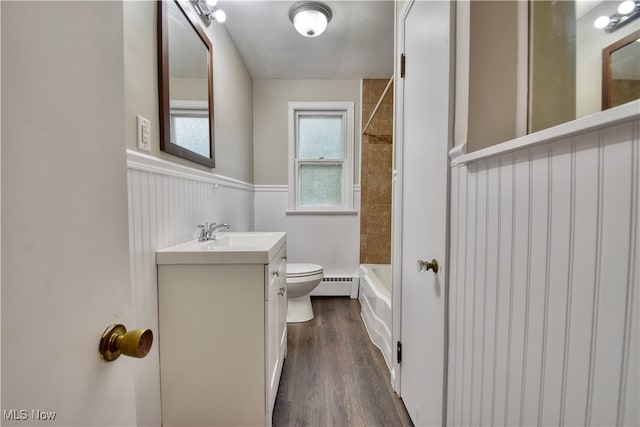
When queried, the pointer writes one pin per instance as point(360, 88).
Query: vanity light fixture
point(627, 11)
point(209, 12)
point(626, 7)
point(310, 18)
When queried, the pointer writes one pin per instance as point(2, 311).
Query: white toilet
point(301, 279)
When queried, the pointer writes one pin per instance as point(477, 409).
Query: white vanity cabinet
point(222, 334)
point(276, 323)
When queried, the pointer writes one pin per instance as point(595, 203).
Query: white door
point(425, 142)
point(65, 273)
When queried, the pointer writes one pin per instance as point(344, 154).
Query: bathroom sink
point(236, 241)
point(228, 248)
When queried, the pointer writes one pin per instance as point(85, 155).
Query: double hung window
point(190, 126)
point(320, 157)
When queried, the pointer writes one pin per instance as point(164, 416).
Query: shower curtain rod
point(375, 109)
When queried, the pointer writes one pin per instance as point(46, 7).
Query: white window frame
point(346, 109)
point(188, 108)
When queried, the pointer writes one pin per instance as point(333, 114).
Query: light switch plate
point(144, 133)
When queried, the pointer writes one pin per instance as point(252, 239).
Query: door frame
point(397, 198)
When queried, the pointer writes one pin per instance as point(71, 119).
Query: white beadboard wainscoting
point(331, 240)
point(543, 298)
point(166, 203)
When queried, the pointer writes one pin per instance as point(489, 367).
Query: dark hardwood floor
point(333, 374)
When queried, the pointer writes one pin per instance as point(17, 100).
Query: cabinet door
point(282, 312)
point(276, 298)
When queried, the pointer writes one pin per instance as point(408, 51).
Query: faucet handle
point(204, 229)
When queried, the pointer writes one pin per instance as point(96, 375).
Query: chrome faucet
point(213, 228)
point(209, 231)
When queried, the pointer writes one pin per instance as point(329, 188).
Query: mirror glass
point(537, 64)
point(621, 71)
point(185, 79)
point(567, 50)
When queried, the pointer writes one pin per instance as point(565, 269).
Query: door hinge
point(399, 352)
point(402, 65)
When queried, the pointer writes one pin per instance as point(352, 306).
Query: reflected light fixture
point(626, 7)
point(627, 11)
point(209, 12)
point(310, 18)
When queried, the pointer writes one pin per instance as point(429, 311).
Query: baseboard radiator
point(338, 286)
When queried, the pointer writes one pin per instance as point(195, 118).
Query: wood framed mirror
point(185, 84)
point(621, 71)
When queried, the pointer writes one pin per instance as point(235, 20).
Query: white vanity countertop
point(228, 248)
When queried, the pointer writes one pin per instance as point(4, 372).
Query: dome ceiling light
point(310, 18)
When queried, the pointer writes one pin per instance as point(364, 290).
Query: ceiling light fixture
point(209, 12)
point(310, 18)
point(627, 12)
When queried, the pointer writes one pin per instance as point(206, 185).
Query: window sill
point(323, 212)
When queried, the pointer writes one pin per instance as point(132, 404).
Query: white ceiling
point(358, 42)
point(584, 6)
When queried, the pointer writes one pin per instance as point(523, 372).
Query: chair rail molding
point(144, 162)
point(583, 125)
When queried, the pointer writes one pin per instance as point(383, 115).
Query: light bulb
point(211, 3)
point(220, 16)
point(310, 23)
point(626, 7)
point(601, 22)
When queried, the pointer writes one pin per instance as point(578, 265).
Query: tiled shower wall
point(376, 178)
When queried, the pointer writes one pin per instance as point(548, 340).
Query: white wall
point(544, 285)
point(332, 241)
point(233, 99)
point(271, 121)
point(166, 203)
point(189, 88)
point(492, 83)
point(170, 196)
point(0, 195)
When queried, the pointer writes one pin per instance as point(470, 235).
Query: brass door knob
point(116, 340)
point(426, 266)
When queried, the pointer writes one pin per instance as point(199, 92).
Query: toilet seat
point(296, 271)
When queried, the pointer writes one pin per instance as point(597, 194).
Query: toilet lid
point(301, 270)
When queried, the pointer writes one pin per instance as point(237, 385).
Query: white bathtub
point(375, 303)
